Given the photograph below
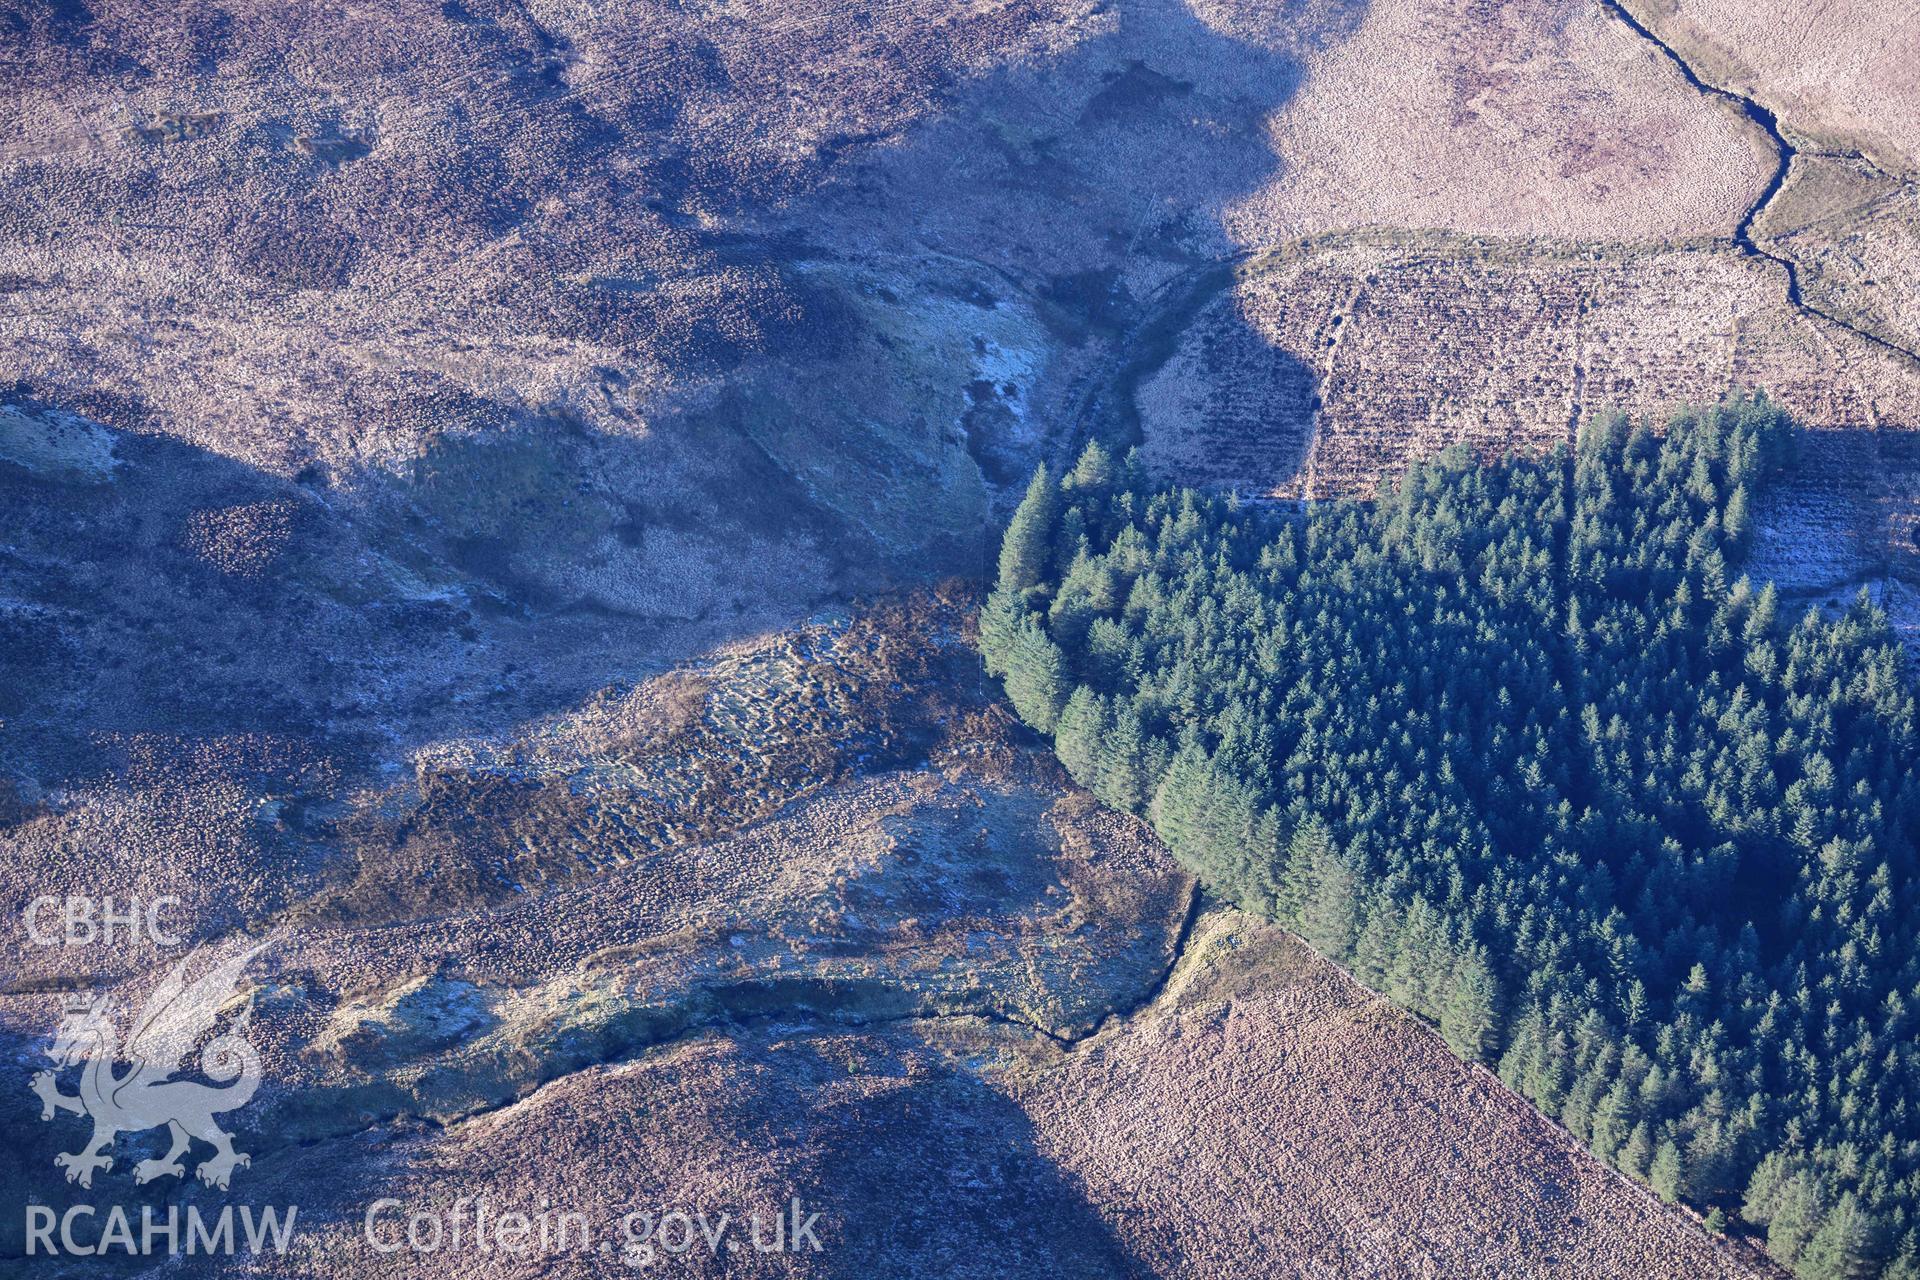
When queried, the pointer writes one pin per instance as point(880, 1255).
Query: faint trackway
point(724, 1022)
point(810, 1015)
point(1784, 152)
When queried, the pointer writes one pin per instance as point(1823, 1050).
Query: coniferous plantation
point(1521, 745)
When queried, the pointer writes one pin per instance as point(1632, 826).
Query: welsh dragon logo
point(145, 1096)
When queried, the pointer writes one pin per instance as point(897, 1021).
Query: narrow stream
point(1785, 152)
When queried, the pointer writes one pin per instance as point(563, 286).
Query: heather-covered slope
point(477, 475)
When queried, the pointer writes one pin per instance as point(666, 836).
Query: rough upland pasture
point(451, 453)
